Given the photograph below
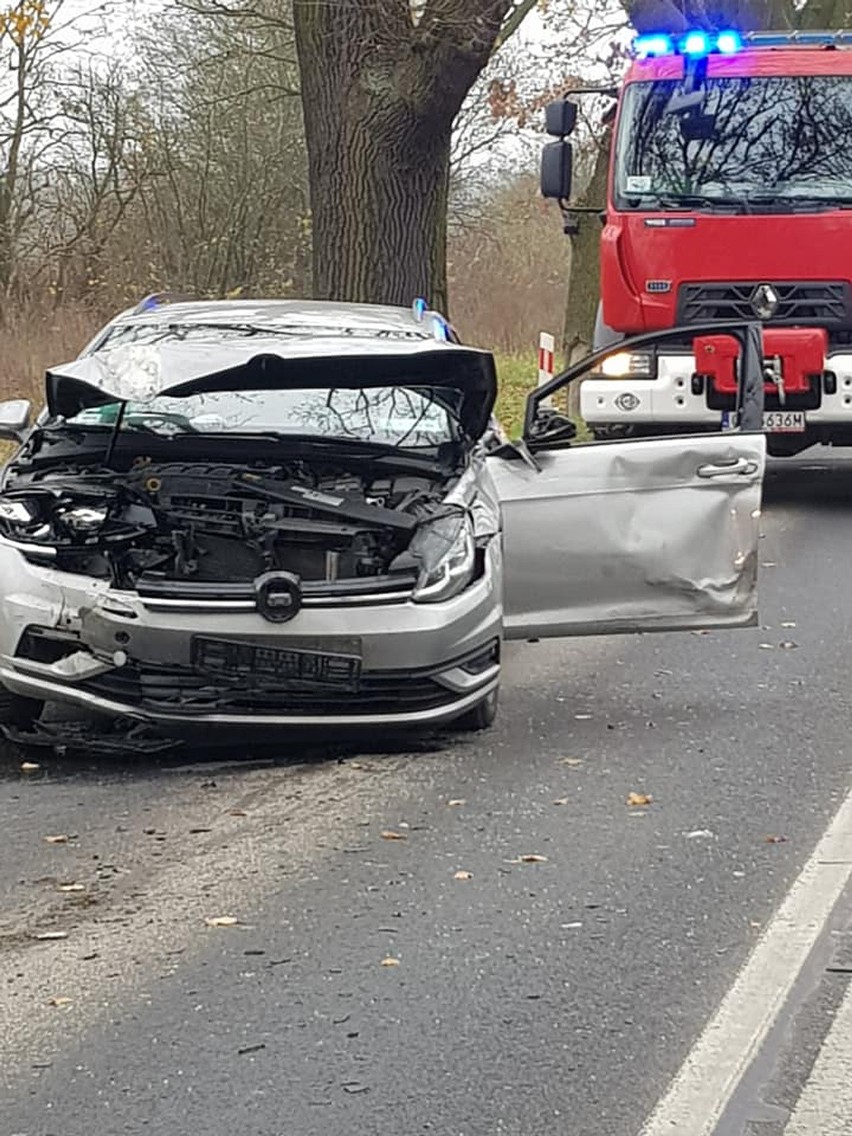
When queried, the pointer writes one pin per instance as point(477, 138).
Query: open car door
point(647, 534)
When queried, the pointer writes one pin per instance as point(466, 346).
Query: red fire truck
point(729, 198)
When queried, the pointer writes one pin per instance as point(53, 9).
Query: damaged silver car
point(262, 515)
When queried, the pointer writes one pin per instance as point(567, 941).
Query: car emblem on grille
point(765, 301)
point(627, 401)
point(278, 595)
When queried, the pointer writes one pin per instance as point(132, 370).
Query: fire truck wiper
point(689, 201)
point(798, 203)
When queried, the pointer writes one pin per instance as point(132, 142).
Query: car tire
point(19, 711)
point(479, 717)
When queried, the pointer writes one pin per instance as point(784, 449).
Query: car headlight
point(18, 512)
point(629, 365)
point(447, 555)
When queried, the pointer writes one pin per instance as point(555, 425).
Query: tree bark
point(380, 92)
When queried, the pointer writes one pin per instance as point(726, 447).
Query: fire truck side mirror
point(560, 118)
point(557, 167)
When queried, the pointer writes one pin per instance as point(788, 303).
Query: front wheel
point(479, 717)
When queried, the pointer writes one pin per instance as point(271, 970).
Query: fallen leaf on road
point(637, 799)
point(463, 876)
point(562, 801)
point(388, 834)
point(60, 1001)
point(456, 802)
point(775, 840)
point(532, 858)
point(221, 921)
point(72, 887)
point(29, 766)
point(389, 962)
point(48, 936)
point(61, 839)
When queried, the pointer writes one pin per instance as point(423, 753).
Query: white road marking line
point(717, 1062)
point(825, 1106)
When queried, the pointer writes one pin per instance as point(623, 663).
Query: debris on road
point(60, 839)
point(462, 875)
point(700, 834)
point(29, 766)
point(456, 802)
point(562, 801)
point(636, 800)
point(389, 834)
point(60, 1001)
point(389, 962)
point(50, 936)
point(775, 840)
point(221, 921)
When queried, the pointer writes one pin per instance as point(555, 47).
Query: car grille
point(177, 689)
point(825, 304)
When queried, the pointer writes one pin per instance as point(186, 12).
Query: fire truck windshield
point(768, 144)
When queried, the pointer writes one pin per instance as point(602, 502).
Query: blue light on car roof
point(419, 308)
point(648, 46)
point(729, 42)
point(695, 43)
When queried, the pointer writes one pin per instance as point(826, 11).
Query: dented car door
point(651, 534)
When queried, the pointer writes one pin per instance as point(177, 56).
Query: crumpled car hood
point(139, 372)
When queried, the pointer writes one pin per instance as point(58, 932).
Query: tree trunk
point(380, 93)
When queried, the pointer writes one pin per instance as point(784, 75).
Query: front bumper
point(75, 640)
point(669, 399)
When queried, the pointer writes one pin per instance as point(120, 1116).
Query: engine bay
point(220, 522)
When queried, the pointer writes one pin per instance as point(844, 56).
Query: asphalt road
point(365, 989)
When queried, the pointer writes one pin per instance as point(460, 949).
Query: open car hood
point(140, 372)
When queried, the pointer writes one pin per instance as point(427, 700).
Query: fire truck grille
point(826, 304)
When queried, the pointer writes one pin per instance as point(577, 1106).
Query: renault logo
point(765, 301)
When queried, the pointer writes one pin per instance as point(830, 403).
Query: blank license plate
point(283, 666)
point(784, 421)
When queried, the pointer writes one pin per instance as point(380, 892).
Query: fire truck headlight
point(628, 365)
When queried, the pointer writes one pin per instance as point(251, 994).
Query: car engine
point(212, 522)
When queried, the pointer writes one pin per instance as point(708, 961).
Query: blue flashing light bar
point(698, 43)
point(419, 308)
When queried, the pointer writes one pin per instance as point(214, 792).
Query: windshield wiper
point(688, 201)
point(378, 451)
point(798, 203)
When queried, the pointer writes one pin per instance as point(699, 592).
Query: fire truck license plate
point(784, 421)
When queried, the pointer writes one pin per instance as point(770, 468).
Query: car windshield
point(751, 144)
point(410, 417)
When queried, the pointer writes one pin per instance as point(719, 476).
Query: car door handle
point(740, 467)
